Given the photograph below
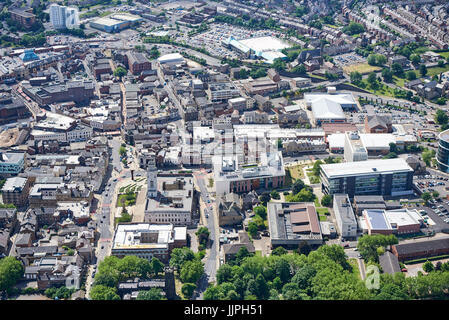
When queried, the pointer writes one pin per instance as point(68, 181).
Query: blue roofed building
point(29, 55)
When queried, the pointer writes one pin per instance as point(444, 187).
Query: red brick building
point(421, 249)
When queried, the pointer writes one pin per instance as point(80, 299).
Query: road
point(210, 267)
point(104, 216)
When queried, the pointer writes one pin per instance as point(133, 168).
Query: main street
point(211, 265)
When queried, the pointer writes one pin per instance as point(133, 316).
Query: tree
point(353, 28)
point(299, 69)
point(120, 72)
point(224, 273)
point(275, 195)
point(423, 70)
point(371, 59)
point(368, 244)
point(279, 64)
point(179, 256)
point(372, 78)
point(387, 74)
point(107, 279)
point(279, 251)
point(415, 59)
point(435, 194)
point(104, 293)
point(261, 211)
point(203, 235)
point(428, 266)
point(11, 271)
point(252, 229)
point(156, 266)
point(441, 117)
point(191, 271)
point(265, 197)
point(410, 75)
point(426, 196)
point(397, 69)
point(213, 293)
point(427, 156)
point(188, 289)
point(298, 186)
point(152, 294)
point(327, 200)
point(356, 77)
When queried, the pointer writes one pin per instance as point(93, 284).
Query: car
point(102, 247)
point(207, 215)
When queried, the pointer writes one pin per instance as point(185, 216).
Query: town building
point(231, 175)
point(401, 221)
point(344, 216)
point(62, 17)
point(443, 151)
point(387, 177)
point(15, 191)
point(293, 223)
point(421, 249)
point(354, 149)
point(145, 240)
point(11, 163)
point(24, 17)
point(170, 199)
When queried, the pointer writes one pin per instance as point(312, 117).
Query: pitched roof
point(421, 246)
point(389, 263)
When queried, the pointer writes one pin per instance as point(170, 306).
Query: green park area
point(126, 199)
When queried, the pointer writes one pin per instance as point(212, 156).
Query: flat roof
point(381, 166)
point(268, 43)
point(377, 220)
point(14, 183)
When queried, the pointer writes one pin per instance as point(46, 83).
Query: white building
point(344, 215)
point(146, 240)
point(62, 17)
point(354, 149)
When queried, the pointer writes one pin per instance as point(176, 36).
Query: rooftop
point(382, 166)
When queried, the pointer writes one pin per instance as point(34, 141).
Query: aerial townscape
point(224, 150)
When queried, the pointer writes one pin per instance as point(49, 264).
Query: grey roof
point(389, 263)
point(368, 199)
point(379, 120)
point(422, 246)
point(233, 248)
point(341, 201)
point(14, 184)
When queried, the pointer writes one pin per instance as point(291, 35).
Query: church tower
point(152, 178)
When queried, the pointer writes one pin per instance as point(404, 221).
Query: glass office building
point(390, 177)
point(443, 151)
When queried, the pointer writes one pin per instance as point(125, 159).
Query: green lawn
point(322, 211)
point(322, 218)
point(355, 267)
point(445, 55)
point(122, 198)
point(399, 81)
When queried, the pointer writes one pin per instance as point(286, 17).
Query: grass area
point(296, 172)
point(363, 68)
point(178, 287)
point(322, 218)
point(128, 202)
point(355, 267)
point(383, 90)
point(259, 253)
point(322, 211)
point(313, 178)
point(317, 203)
point(399, 81)
point(445, 54)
